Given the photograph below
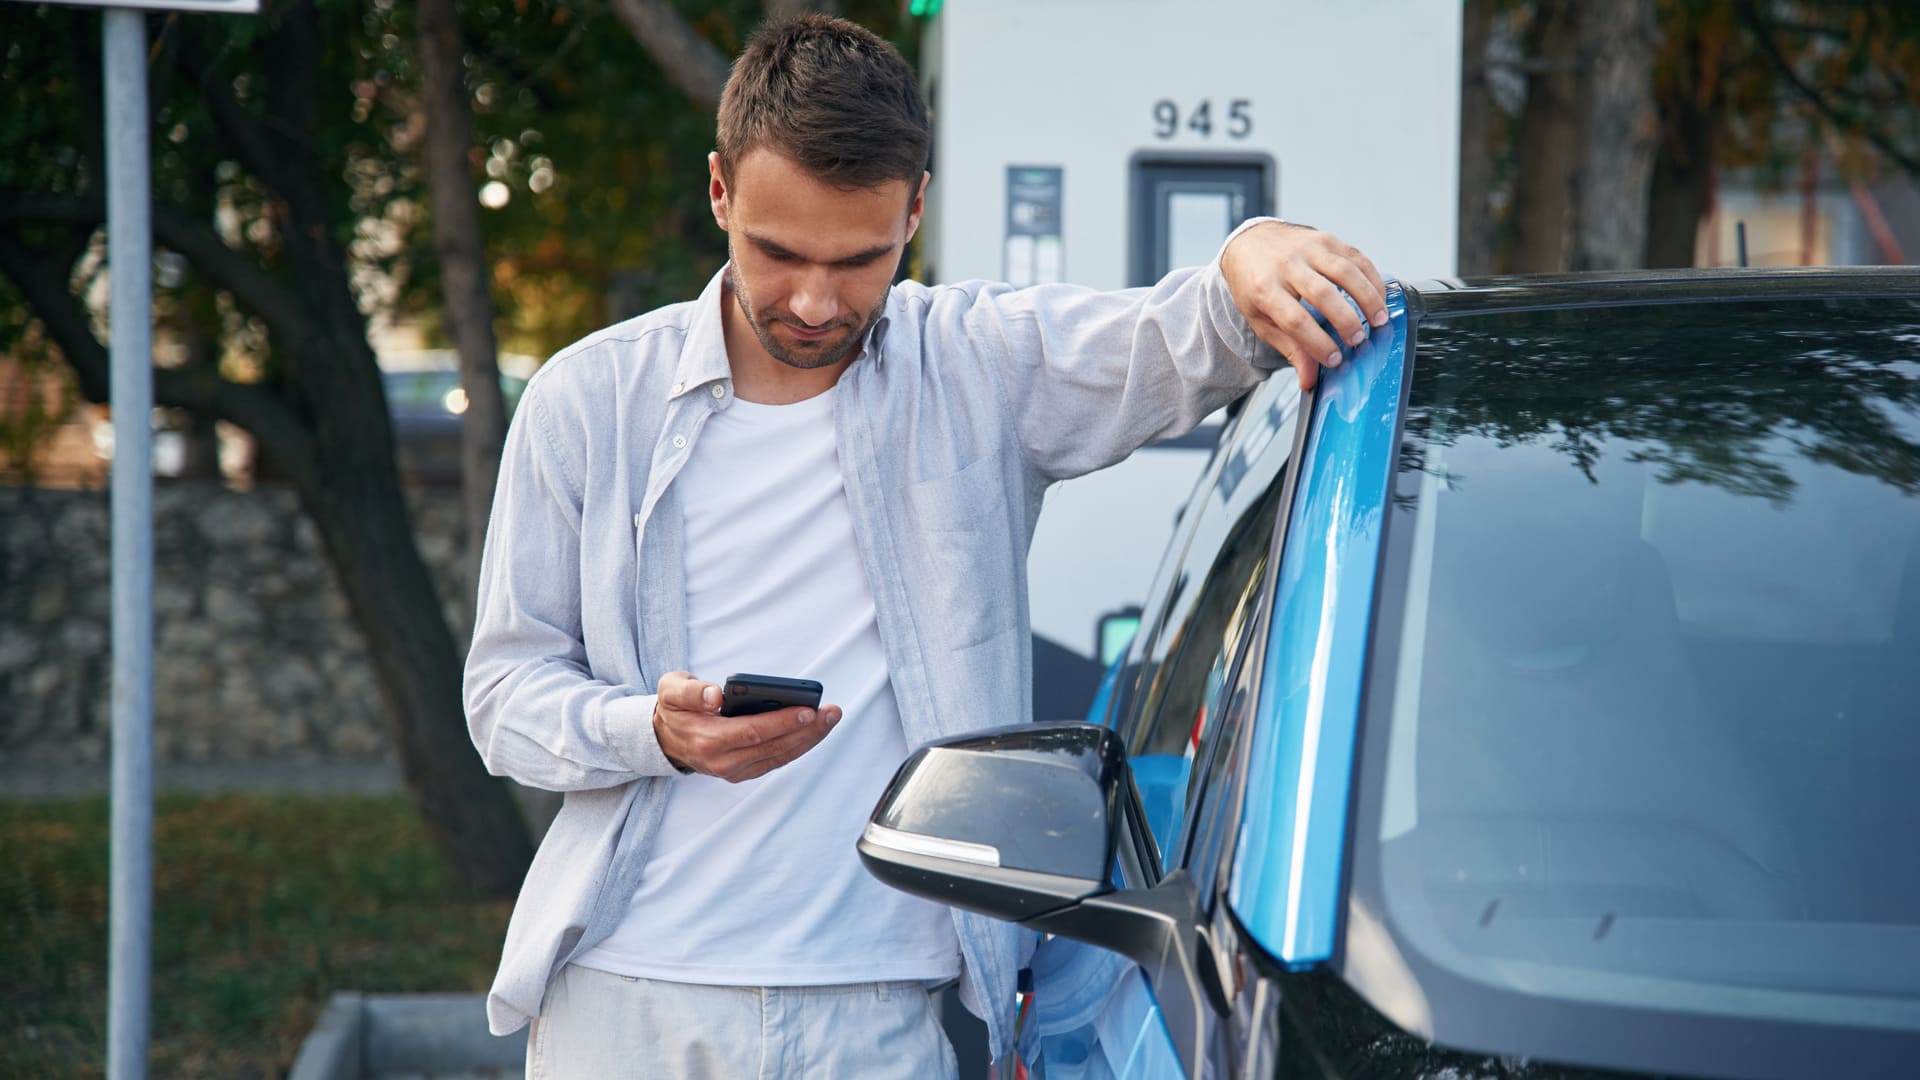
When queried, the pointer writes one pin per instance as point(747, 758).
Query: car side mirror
point(1023, 824)
point(1010, 823)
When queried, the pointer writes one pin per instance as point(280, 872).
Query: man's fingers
point(1375, 315)
point(1295, 332)
point(680, 690)
point(1292, 351)
point(1334, 280)
point(1309, 372)
point(773, 756)
point(745, 732)
point(1356, 274)
point(1322, 294)
point(764, 757)
point(748, 731)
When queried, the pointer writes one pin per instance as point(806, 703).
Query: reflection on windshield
point(1654, 715)
point(1702, 390)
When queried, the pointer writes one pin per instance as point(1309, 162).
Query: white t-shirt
point(758, 883)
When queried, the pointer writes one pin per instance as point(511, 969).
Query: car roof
point(1446, 297)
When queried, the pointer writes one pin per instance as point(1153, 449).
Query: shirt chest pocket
point(963, 553)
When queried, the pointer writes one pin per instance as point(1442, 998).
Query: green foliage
point(264, 905)
point(602, 161)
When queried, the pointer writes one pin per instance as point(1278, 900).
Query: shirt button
point(719, 391)
point(679, 442)
point(679, 386)
point(636, 521)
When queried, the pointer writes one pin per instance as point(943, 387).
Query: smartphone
point(743, 694)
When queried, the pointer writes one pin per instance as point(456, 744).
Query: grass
point(263, 906)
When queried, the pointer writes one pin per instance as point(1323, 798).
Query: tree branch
point(219, 264)
point(1855, 124)
point(687, 59)
point(42, 280)
point(250, 135)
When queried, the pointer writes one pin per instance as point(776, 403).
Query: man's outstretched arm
point(1090, 376)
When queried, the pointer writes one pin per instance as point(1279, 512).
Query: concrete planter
point(407, 1037)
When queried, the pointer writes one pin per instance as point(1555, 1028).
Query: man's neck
point(757, 376)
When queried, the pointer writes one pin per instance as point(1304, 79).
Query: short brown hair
point(831, 95)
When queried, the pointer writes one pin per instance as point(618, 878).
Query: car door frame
point(1140, 862)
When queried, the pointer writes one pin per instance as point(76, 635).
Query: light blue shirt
point(967, 401)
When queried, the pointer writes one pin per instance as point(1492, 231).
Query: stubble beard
point(825, 353)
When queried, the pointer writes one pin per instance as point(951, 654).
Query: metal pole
point(129, 253)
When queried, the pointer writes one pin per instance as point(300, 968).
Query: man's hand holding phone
point(696, 737)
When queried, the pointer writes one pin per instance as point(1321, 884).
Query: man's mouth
point(804, 334)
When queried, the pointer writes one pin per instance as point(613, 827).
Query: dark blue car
point(1539, 697)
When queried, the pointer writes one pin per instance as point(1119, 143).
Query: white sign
point(228, 7)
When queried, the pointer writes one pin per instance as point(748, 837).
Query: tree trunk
point(458, 242)
point(1691, 102)
point(363, 524)
point(353, 492)
point(1549, 145)
point(201, 460)
point(1681, 192)
point(322, 422)
point(333, 443)
point(1475, 255)
point(354, 496)
point(1617, 42)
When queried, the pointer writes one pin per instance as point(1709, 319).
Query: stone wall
point(255, 655)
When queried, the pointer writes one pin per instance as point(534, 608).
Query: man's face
point(811, 263)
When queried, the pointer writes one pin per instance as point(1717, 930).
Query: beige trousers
point(595, 1025)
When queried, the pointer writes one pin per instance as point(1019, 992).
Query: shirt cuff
point(1227, 320)
point(627, 728)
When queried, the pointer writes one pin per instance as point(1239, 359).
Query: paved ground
point(38, 780)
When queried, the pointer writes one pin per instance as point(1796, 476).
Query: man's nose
point(813, 302)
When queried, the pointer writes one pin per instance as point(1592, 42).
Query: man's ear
point(918, 207)
point(717, 190)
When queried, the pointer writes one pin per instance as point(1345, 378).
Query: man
point(812, 472)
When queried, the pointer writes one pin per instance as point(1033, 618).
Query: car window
point(1220, 769)
point(1646, 667)
point(1253, 454)
point(1189, 698)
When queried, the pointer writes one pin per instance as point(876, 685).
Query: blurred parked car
point(426, 402)
point(1546, 704)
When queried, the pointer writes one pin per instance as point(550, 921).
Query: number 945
point(1199, 120)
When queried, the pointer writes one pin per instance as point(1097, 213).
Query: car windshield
point(1652, 647)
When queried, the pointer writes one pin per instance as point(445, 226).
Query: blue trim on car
point(1286, 878)
point(1102, 703)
